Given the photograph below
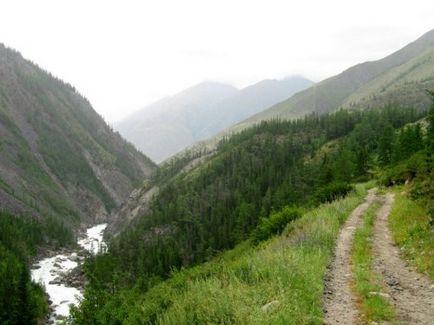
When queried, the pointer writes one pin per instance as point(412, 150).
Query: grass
point(366, 283)
point(286, 272)
point(409, 223)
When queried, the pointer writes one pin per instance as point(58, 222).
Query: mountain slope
point(258, 181)
point(249, 101)
point(172, 124)
point(57, 155)
point(362, 84)
point(169, 125)
point(404, 84)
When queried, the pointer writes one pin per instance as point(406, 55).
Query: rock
point(270, 304)
point(392, 282)
point(57, 281)
point(73, 257)
point(57, 265)
point(431, 287)
point(381, 294)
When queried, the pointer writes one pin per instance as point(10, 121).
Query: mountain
point(172, 124)
point(400, 77)
point(58, 157)
point(169, 125)
point(251, 100)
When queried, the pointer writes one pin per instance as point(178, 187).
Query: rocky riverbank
point(61, 273)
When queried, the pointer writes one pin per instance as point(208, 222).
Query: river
point(51, 271)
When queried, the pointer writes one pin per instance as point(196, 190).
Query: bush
point(275, 223)
point(332, 192)
point(404, 171)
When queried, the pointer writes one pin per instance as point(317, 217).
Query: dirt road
point(412, 294)
point(339, 304)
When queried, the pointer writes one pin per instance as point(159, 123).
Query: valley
point(283, 202)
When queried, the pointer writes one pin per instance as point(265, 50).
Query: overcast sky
point(123, 55)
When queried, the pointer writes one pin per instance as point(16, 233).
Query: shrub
point(404, 171)
point(332, 192)
point(275, 223)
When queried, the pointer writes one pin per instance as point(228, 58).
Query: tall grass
point(367, 285)
point(279, 282)
point(410, 225)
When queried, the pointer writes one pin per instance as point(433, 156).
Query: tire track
point(339, 301)
point(412, 294)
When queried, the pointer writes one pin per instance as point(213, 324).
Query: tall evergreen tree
point(385, 145)
point(430, 131)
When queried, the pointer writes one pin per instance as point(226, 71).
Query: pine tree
point(385, 145)
point(430, 131)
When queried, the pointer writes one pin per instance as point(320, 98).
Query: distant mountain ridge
point(401, 77)
point(57, 155)
point(253, 99)
point(170, 125)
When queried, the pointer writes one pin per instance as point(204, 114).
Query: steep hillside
point(168, 126)
point(57, 155)
point(401, 75)
point(172, 124)
point(404, 84)
point(249, 101)
point(256, 183)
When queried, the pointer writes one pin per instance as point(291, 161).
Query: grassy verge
point(409, 223)
point(366, 283)
point(280, 281)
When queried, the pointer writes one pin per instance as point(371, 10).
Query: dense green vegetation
point(260, 170)
point(412, 217)
point(249, 189)
point(285, 272)
point(22, 301)
point(412, 228)
point(274, 224)
point(368, 284)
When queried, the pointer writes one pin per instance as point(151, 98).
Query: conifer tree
point(430, 131)
point(385, 145)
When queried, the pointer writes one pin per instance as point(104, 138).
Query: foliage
point(275, 223)
point(333, 191)
point(235, 286)
point(253, 173)
point(412, 231)
point(22, 301)
point(404, 171)
point(244, 186)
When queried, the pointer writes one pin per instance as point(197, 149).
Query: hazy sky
point(125, 54)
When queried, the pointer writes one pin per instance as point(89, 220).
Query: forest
point(21, 300)
point(259, 180)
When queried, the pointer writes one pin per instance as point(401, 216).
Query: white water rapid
point(50, 271)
